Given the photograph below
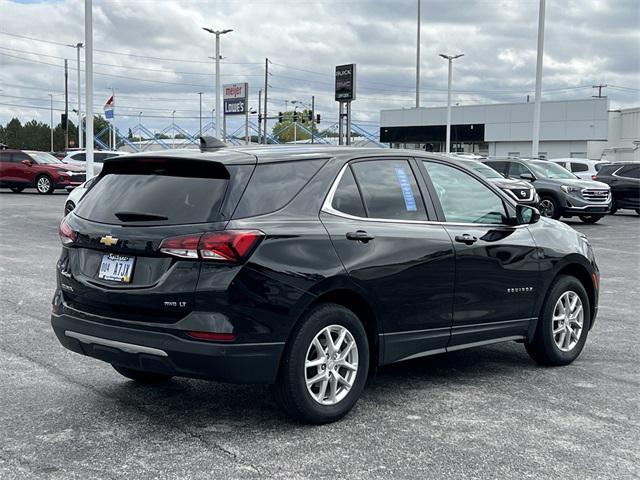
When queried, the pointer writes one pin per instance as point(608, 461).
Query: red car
point(20, 169)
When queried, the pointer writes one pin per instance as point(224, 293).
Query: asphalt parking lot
point(482, 413)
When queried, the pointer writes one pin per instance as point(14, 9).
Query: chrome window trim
point(327, 207)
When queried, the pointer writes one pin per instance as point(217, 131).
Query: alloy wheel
point(44, 184)
point(568, 318)
point(331, 365)
point(547, 208)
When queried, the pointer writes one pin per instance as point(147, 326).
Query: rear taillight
point(594, 177)
point(67, 235)
point(225, 246)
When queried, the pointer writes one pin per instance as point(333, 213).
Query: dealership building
point(569, 128)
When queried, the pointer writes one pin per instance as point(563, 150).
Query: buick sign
point(346, 82)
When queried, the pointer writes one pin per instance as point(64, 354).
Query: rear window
point(579, 167)
point(165, 196)
point(273, 185)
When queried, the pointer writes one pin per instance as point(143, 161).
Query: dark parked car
point(562, 194)
point(521, 191)
point(308, 268)
point(624, 180)
point(20, 169)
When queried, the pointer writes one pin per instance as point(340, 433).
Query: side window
point(389, 190)
point(630, 171)
point(579, 167)
point(81, 157)
point(273, 185)
point(346, 198)
point(5, 157)
point(518, 169)
point(500, 167)
point(463, 198)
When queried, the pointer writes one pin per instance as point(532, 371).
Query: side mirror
point(28, 163)
point(526, 215)
point(528, 176)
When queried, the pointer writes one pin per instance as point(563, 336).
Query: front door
point(377, 221)
point(496, 264)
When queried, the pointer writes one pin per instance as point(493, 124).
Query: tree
point(284, 131)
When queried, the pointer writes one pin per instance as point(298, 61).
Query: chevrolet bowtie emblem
point(108, 240)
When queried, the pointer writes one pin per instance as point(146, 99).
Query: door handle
point(466, 239)
point(360, 236)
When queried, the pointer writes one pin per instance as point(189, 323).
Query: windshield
point(484, 170)
point(546, 169)
point(43, 158)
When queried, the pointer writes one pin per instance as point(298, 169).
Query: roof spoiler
point(211, 144)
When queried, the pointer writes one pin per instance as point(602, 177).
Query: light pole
point(200, 117)
point(418, 60)
point(88, 81)
point(78, 46)
point(51, 120)
point(450, 58)
point(173, 129)
point(538, 100)
point(217, 33)
point(212, 122)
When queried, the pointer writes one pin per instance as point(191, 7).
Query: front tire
point(325, 365)
point(590, 218)
point(563, 324)
point(140, 376)
point(549, 207)
point(44, 184)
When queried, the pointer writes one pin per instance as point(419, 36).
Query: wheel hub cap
point(567, 321)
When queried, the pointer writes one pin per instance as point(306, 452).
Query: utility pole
point(450, 58)
point(200, 131)
point(266, 87)
point(599, 87)
point(260, 116)
point(418, 60)
point(217, 33)
point(313, 117)
point(535, 146)
point(51, 121)
point(78, 46)
point(88, 72)
point(66, 104)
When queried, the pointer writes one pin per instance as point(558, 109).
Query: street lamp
point(78, 46)
point(450, 58)
point(217, 33)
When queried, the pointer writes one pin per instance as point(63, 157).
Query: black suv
point(308, 268)
point(624, 180)
point(562, 194)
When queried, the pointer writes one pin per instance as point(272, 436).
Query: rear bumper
point(163, 352)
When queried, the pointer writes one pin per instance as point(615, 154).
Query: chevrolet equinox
point(307, 268)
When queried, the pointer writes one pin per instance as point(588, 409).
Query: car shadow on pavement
point(196, 405)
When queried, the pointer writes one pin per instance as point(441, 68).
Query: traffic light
point(63, 121)
point(318, 118)
point(295, 117)
point(309, 115)
point(259, 118)
point(280, 117)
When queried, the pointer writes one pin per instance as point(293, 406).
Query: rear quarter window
point(273, 185)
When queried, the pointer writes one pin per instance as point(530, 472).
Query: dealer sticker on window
point(407, 191)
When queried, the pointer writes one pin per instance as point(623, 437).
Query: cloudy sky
point(155, 54)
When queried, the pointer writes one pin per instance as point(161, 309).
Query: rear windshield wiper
point(138, 217)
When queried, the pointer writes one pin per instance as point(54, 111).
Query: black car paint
point(417, 290)
point(624, 189)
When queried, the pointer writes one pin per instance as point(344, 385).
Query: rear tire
point(548, 207)
point(17, 189)
point(590, 218)
point(309, 355)
point(44, 184)
point(548, 345)
point(142, 377)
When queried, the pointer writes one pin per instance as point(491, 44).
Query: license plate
point(117, 268)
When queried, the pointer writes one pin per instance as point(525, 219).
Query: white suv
point(78, 157)
point(580, 167)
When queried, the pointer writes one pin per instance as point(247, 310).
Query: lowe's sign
point(235, 98)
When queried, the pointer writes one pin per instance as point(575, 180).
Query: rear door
point(378, 223)
point(115, 267)
point(496, 273)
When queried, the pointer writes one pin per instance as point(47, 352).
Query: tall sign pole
point(266, 87)
point(535, 147)
point(88, 71)
point(259, 116)
point(78, 47)
point(345, 93)
point(66, 105)
point(418, 60)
